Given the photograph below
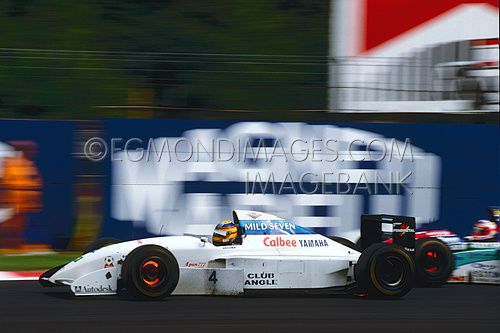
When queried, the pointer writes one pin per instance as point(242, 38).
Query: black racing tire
point(385, 271)
point(150, 272)
point(345, 242)
point(435, 262)
point(99, 243)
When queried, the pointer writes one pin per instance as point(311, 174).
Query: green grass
point(36, 262)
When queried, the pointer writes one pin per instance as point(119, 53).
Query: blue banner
point(185, 176)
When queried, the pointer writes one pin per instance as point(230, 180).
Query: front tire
point(435, 262)
point(385, 271)
point(150, 272)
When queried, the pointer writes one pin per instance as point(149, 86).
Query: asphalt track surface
point(27, 307)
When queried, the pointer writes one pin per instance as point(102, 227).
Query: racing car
point(254, 253)
point(441, 256)
point(473, 259)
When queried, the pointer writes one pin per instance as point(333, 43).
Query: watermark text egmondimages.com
point(330, 152)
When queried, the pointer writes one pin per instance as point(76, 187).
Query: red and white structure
point(379, 46)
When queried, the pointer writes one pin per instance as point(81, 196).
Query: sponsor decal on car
point(254, 215)
point(475, 274)
point(92, 289)
point(313, 242)
point(435, 233)
point(282, 242)
point(402, 229)
point(484, 245)
point(195, 264)
point(260, 279)
point(108, 262)
point(269, 225)
point(272, 227)
point(486, 267)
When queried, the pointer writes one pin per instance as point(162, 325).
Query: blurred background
point(274, 69)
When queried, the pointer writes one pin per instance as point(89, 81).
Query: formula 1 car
point(270, 255)
point(442, 256)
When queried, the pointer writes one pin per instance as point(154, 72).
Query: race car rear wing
point(378, 228)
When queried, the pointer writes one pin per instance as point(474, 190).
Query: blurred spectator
point(20, 185)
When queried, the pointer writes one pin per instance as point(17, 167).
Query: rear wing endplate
point(375, 228)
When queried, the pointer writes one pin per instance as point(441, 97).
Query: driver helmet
point(483, 230)
point(225, 233)
point(494, 214)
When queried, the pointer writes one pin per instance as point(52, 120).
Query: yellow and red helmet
point(225, 233)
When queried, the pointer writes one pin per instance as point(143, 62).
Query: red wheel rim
point(152, 272)
point(432, 261)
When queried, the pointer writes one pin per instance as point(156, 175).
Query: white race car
point(270, 255)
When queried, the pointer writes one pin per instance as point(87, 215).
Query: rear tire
point(99, 243)
point(385, 271)
point(435, 262)
point(150, 272)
